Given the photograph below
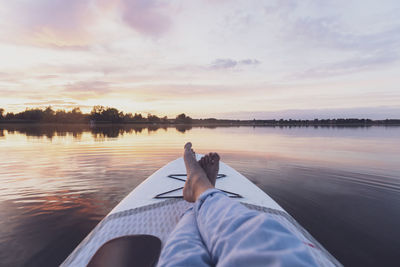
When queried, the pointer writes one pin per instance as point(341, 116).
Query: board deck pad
point(141, 213)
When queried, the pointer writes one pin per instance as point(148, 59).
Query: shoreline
point(207, 124)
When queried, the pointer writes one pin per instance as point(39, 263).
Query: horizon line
point(2, 114)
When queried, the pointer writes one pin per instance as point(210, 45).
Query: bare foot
point(197, 181)
point(210, 164)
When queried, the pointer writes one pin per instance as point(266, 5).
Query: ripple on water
point(341, 184)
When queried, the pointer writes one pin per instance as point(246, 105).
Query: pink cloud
point(68, 24)
point(58, 14)
point(55, 23)
point(146, 16)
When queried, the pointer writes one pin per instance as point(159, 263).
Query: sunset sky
point(211, 58)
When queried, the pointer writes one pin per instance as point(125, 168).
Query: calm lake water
point(57, 182)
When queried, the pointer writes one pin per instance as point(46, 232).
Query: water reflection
point(58, 181)
point(115, 130)
point(76, 130)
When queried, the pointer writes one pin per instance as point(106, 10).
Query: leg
point(184, 246)
point(233, 234)
point(237, 236)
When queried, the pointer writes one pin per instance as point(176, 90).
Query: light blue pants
point(219, 231)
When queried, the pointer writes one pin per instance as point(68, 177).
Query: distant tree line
point(44, 115)
point(324, 122)
point(99, 114)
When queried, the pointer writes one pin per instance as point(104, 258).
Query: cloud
point(75, 24)
point(349, 66)
point(357, 41)
point(54, 23)
point(7, 77)
point(329, 32)
point(93, 66)
point(49, 76)
point(281, 8)
point(55, 104)
point(99, 87)
point(172, 51)
point(223, 63)
point(50, 102)
point(227, 63)
point(249, 62)
point(199, 91)
point(333, 25)
point(84, 90)
point(146, 16)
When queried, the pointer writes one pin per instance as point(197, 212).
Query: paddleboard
point(152, 210)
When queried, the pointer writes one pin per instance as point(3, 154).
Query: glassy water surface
point(57, 182)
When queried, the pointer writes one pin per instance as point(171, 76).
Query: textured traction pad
point(160, 219)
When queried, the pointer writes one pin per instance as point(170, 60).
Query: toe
point(211, 157)
point(201, 161)
point(188, 145)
